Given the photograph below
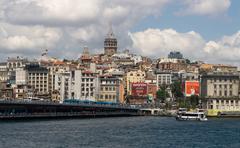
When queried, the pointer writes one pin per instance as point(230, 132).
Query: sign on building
point(139, 89)
point(191, 88)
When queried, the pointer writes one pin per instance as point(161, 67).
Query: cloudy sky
point(201, 29)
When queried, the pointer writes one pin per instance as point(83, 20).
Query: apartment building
point(134, 76)
point(85, 85)
point(221, 92)
point(109, 89)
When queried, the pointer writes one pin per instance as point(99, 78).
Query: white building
point(3, 72)
point(21, 76)
point(85, 85)
point(164, 78)
point(64, 84)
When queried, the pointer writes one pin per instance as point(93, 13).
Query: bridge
point(22, 110)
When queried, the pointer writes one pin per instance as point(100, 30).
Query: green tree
point(176, 89)
point(194, 100)
point(162, 94)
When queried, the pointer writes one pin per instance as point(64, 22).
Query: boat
point(184, 115)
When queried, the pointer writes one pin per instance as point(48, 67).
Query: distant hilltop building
point(175, 55)
point(110, 43)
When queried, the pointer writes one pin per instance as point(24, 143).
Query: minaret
point(110, 43)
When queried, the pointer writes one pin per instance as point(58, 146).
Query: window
point(215, 86)
point(220, 93)
point(225, 93)
point(230, 93)
point(220, 86)
point(230, 86)
point(225, 86)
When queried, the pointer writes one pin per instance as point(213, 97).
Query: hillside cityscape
point(123, 78)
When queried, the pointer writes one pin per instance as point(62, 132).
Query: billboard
point(191, 88)
point(139, 89)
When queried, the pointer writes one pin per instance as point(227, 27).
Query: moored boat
point(184, 115)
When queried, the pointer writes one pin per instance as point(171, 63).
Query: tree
point(162, 94)
point(176, 89)
point(194, 100)
point(188, 61)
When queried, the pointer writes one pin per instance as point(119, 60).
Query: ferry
point(184, 115)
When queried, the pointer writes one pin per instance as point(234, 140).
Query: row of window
point(221, 86)
point(87, 75)
point(32, 74)
point(108, 88)
point(38, 78)
point(222, 80)
point(107, 96)
point(87, 80)
point(227, 101)
point(223, 93)
point(108, 82)
point(131, 74)
point(86, 85)
point(87, 95)
point(37, 82)
point(87, 89)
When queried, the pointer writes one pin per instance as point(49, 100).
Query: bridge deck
point(13, 110)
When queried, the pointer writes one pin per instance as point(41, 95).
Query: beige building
point(38, 78)
point(221, 93)
point(3, 72)
point(109, 89)
point(134, 77)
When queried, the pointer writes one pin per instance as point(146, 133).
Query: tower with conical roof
point(110, 43)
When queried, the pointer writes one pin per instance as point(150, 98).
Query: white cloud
point(226, 49)
point(155, 42)
point(79, 21)
point(158, 43)
point(205, 7)
point(64, 26)
point(21, 39)
point(51, 12)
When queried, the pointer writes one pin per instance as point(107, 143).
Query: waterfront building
point(21, 76)
point(23, 91)
point(38, 78)
point(109, 89)
point(221, 92)
point(86, 83)
point(64, 85)
point(3, 72)
point(6, 91)
point(110, 43)
point(134, 76)
point(151, 91)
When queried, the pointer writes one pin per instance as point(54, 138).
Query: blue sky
point(210, 27)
